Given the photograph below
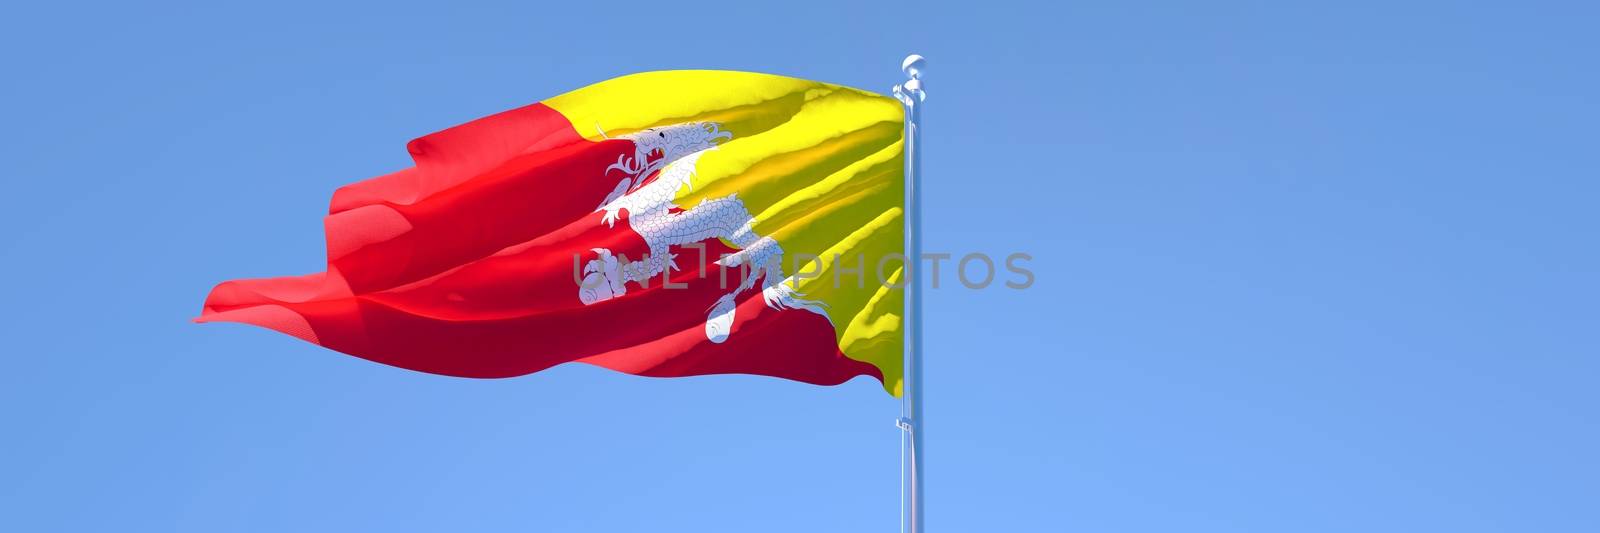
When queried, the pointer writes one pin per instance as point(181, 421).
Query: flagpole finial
point(911, 91)
point(913, 66)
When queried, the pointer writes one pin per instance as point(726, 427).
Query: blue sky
point(1318, 268)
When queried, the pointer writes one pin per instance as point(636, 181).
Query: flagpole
point(911, 422)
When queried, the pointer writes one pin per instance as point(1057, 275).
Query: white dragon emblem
point(674, 151)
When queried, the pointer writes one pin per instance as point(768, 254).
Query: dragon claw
point(719, 319)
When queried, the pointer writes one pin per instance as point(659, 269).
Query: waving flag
point(662, 224)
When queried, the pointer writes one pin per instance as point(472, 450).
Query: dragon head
point(655, 147)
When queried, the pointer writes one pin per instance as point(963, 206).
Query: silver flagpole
point(911, 423)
